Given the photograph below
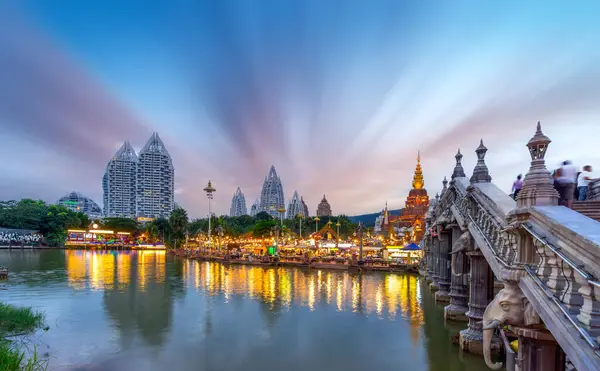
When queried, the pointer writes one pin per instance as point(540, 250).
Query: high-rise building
point(79, 203)
point(271, 197)
point(304, 207)
point(254, 209)
point(295, 206)
point(238, 204)
point(324, 209)
point(155, 190)
point(119, 183)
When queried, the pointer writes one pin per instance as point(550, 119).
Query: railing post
point(589, 313)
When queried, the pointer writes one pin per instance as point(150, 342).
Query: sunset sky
point(338, 95)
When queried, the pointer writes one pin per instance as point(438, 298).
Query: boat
point(3, 272)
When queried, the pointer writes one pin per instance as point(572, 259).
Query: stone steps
point(591, 209)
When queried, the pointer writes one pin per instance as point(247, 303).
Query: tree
point(121, 225)
point(178, 221)
point(262, 228)
point(263, 215)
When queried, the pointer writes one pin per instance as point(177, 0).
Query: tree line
point(53, 221)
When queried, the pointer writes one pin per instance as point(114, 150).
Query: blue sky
point(338, 95)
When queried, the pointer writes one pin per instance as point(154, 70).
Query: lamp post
point(360, 229)
point(299, 216)
point(317, 225)
point(209, 189)
point(276, 230)
point(219, 231)
point(337, 243)
point(281, 212)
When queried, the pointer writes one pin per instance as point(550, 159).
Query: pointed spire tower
point(238, 204)
point(481, 173)
point(271, 196)
point(295, 206)
point(416, 204)
point(418, 182)
point(458, 172)
point(324, 209)
point(119, 183)
point(155, 194)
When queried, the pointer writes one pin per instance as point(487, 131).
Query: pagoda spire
point(418, 182)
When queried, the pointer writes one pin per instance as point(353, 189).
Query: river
point(146, 310)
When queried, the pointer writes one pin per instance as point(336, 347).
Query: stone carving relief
point(463, 245)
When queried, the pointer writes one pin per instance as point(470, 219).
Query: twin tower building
point(272, 200)
point(140, 185)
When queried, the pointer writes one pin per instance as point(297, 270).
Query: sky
point(338, 95)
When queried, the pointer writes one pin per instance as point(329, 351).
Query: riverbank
point(296, 261)
point(16, 322)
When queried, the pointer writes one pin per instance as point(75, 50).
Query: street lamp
point(219, 231)
point(300, 216)
point(281, 212)
point(317, 225)
point(360, 229)
point(337, 243)
point(276, 230)
point(209, 189)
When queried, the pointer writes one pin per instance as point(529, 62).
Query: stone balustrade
point(594, 190)
point(546, 256)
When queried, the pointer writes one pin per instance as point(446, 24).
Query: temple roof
point(418, 182)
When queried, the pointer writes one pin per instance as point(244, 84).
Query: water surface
point(149, 311)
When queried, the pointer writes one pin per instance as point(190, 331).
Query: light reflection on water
point(149, 311)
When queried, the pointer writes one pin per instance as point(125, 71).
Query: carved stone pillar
point(471, 339)
point(459, 287)
point(538, 351)
point(443, 295)
point(435, 275)
point(429, 261)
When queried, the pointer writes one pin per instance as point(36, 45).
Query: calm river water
point(139, 311)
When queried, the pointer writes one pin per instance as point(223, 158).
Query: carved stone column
point(443, 295)
point(459, 288)
point(538, 351)
point(435, 275)
point(471, 339)
point(430, 261)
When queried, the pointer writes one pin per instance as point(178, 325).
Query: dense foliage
point(52, 221)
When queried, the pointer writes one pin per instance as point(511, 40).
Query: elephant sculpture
point(509, 307)
point(462, 245)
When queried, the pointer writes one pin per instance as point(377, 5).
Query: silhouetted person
point(583, 181)
point(517, 185)
point(567, 175)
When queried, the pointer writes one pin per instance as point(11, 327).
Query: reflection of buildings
point(137, 296)
point(390, 295)
point(410, 225)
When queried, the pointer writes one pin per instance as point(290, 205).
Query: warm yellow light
point(95, 226)
point(75, 231)
point(124, 233)
point(101, 231)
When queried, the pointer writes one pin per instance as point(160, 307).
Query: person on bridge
point(566, 177)
point(517, 185)
point(584, 179)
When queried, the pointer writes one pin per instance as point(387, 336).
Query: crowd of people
point(570, 183)
point(10, 238)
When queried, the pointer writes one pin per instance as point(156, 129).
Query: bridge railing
point(565, 268)
point(594, 190)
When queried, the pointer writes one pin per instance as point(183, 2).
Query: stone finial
point(538, 186)
point(445, 185)
point(458, 172)
point(481, 173)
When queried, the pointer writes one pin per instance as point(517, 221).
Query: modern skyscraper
point(155, 191)
point(119, 182)
point(295, 206)
point(324, 209)
point(271, 197)
point(238, 204)
point(305, 207)
point(79, 203)
point(254, 209)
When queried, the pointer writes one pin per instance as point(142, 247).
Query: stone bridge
point(526, 269)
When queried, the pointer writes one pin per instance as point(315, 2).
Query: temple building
point(409, 226)
point(304, 207)
point(295, 207)
point(324, 209)
point(238, 204)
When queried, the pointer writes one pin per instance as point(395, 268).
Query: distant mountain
point(369, 219)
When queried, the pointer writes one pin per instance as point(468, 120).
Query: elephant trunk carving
point(510, 307)
point(463, 244)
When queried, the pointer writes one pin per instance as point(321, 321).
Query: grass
point(15, 321)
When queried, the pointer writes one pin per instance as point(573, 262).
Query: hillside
point(369, 219)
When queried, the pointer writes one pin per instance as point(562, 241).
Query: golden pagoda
point(416, 206)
